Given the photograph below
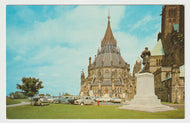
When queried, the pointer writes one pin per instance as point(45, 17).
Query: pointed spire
point(109, 15)
point(108, 37)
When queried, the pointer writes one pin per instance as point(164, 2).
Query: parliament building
point(167, 57)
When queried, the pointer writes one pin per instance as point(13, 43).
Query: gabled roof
point(158, 49)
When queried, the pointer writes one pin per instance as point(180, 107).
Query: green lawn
point(66, 111)
point(15, 101)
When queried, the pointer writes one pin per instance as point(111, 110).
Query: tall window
point(159, 62)
point(175, 12)
point(107, 75)
point(115, 74)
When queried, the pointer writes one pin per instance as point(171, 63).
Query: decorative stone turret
point(89, 61)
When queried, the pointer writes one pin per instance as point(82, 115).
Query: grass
point(15, 101)
point(11, 101)
point(169, 103)
point(66, 111)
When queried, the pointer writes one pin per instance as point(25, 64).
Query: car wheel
point(82, 103)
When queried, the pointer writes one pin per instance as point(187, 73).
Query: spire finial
point(108, 14)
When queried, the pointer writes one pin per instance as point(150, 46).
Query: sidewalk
point(22, 103)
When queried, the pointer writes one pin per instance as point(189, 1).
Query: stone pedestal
point(145, 98)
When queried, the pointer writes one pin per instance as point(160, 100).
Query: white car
point(50, 99)
point(84, 101)
point(104, 99)
point(116, 100)
point(44, 100)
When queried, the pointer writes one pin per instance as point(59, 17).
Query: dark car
point(72, 99)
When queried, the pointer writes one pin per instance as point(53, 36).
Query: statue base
point(145, 98)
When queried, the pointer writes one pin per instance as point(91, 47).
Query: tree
point(41, 95)
point(30, 86)
point(11, 95)
point(47, 94)
point(67, 94)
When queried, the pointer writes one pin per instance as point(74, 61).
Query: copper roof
point(108, 37)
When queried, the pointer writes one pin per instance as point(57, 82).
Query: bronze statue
point(146, 60)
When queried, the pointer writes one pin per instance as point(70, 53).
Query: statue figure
point(146, 60)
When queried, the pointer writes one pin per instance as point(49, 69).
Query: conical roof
point(109, 55)
point(108, 37)
point(158, 49)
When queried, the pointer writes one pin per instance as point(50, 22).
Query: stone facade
point(172, 34)
point(108, 74)
point(169, 84)
point(167, 64)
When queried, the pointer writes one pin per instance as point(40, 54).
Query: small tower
point(89, 61)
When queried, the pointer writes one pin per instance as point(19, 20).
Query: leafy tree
point(47, 94)
point(11, 95)
point(30, 86)
point(67, 94)
point(19, 95)
point(41, 95)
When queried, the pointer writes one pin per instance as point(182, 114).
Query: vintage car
point(50, 99)
point(84, 101)
point(104, 99)
point(61, 100)
point(116, 100)
point(44, 100)
point(72, 99)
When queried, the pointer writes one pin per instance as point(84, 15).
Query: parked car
point(84, 101)
point(72, 99)
point(104, 99)
point(64, 100)
point(50, 99)
point(61, 100)
point(44, 100)
point(56, 101)
point(116, 100)
point(94, 98)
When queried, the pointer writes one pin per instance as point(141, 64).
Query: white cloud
point(142, 22)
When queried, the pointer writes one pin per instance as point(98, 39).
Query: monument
point(145, 98)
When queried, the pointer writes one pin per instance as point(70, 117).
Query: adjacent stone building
point(108, 74)
point(167, 57)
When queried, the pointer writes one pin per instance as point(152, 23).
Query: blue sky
point(53, 43)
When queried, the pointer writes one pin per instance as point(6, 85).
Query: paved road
point(22, 103)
